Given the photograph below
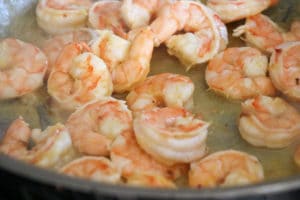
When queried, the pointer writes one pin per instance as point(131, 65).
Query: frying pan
point(11, 13)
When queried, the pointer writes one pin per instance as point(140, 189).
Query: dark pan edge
point(64, 182)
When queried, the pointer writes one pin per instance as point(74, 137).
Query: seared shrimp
point(269, 122)
point(206, 34)
point(225, 168)
point(167, 89)
point(132, 62)
point(134, 162)
point(138, 13)
point(22, 68)
point(93, 168)
point(265, 38)
point(94, 126)
point(233, 10)
point(54, 45)
point(78, 77)
point(106, 14)
point(55, 16)
point(150, 180)
point(285, 69)
point(51, 151)
point(171, 135)
point(239, 73)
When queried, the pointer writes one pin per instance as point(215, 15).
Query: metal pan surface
point(17, 19)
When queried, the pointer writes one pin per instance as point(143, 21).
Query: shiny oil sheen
point(17, 19)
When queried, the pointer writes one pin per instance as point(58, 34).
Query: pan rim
point(52, 178)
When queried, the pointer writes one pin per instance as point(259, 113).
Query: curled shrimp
point(78, 77)
point(93, 168)
point(239, 73)
point(111, 48)
point(132, 62)
point(134, 162)
point(94, 126)
point(225, 168)
point(56, 17)
point(54, 45)
point(233, 10)
point(171, 135)
point(168, 89)
point(269, 122)
point(150, 180)
point(285, 69)
point(51, 150)
point(138, 13)
point(106, 14)
point(22, 68)
point(205, 34)
point(266, 38)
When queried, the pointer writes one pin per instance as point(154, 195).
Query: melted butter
point(223, 114)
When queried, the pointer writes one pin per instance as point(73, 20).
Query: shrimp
point(129, 63)
point(138, 13)
point(106, 14)
point(93, 168)
point(168, 89)
point(269, 122)
point(56, 17)
point(295, 29)
point(22, 68)
point(205, 34)
point(54, 45)
point(95, 125)
point(239, 73)
point(78, 77)
point(225, 168)
point(52, 150)
point(285, 69)
point(111, 48)
point(150, 180)
point(233, 10)
point(134, 162)
point(265, 38)
point(171, 135)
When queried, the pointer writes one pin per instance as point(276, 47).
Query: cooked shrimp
point(239, 73)
point(138, 13)
point(94, 126)
point(54, 45)
point(22, 68)
point(295, 29)
point(55, 16)
point(269, 122)
point(171, 135)
point(297, 156)
point(133, 161)
point(233, 10)
point(51, 151)
point(78, 77)
point(150, 180)
point(285, 69)
point(106, 14)
point(225, 168)
point(205, 34)
point(93, 168)
point(111, 48)
point(172, 90)
point(132, 62)
point(265, 38)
